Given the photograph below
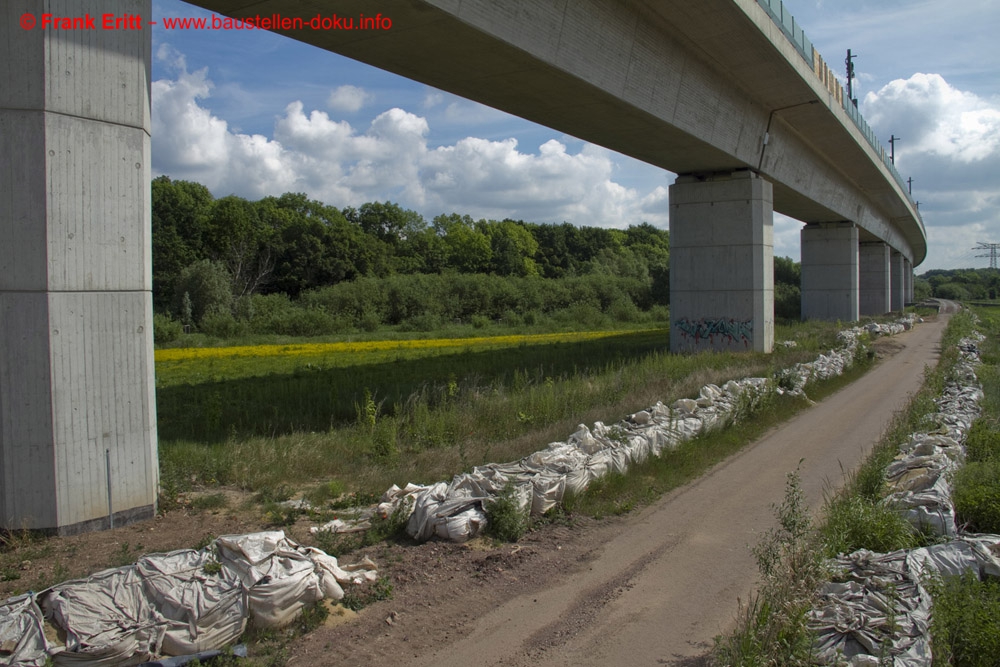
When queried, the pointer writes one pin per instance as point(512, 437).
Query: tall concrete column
point(898, 280)
point(830, 271)
point(721, 263)
point(873, 279)
point(77, 409)
point(907, 281)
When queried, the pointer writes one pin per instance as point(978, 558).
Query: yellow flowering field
point(177, 366)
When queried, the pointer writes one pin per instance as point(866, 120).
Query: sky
point(255, 114)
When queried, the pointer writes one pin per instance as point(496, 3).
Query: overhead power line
point(992, 248)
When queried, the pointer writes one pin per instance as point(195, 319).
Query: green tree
point(467, 249)
point(180, 214)
point(788, 271)
point(202, 289)
point(512, 248)
point(237, 238)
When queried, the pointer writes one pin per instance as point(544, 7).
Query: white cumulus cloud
point(349, 98)
point(343, 165)
point(935, 118)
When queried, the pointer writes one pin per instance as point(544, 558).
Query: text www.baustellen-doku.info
point(112, 21)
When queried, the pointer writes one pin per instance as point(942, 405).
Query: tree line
point(293, 265)
point(958, 284)
point(214, 257)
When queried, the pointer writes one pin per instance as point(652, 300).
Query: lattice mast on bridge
point(992, 248)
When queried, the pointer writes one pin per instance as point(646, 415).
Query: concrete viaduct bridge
point(728, 94)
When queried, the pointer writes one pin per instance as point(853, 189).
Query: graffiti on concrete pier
point(732, 331)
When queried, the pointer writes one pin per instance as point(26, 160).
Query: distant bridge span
point(692, 87)
point(728, 94)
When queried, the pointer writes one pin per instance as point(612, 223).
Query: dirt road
point(653, 588)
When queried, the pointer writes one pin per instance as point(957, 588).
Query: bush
point(856, 523)
point(166, 329)
point(787, 301)
point(506, 520)
point(982, 443)
point(964, 630)
point(222, 325)
point(976, 494)
point(203, 287)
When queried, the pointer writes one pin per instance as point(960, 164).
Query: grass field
point(212, 394)
point(368, 417)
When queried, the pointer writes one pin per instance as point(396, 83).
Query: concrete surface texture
point(721, 264)
point(897, 280)
point(873, 279)
point(830, 271)
point(77, 417)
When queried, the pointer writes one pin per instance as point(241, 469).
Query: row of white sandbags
point(877, 605)
point(877, 609)
point(178, 603)
point(920, 475)
point(456, 510)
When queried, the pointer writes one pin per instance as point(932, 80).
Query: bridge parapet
point(796, 35)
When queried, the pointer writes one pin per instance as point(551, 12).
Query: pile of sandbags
point(877, 609)
point(877, 606)
point(179, 603)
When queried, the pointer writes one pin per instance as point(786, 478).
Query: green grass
point(439, 430)
point(964, 628)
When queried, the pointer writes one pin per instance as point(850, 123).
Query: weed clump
point(507, 522)
point(964, 630)
point(772, 628)
point(857, 522)
point(976, 494)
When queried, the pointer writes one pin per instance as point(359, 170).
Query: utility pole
point(992, 247)
point(850, 77)
point(909, 184)
point(892, 148)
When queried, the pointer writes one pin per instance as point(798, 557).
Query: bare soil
point(652, 587)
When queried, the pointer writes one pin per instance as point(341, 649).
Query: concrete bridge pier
point(829, 252)
point(907, 281)
point(873, 280)
point(898, 280)
point(77, 411)
point(721, 263)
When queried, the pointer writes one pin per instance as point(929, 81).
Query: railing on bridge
point(784, 20)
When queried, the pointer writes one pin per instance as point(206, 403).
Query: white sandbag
point(201, 610)
point(280, 580)
point(462, 526)
point(950, 559)
point(577, 481)
point(107, 618)
point(987, 551)
point(21, 632)
point(546, 492)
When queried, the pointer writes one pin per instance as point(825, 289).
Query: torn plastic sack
point(22, 633)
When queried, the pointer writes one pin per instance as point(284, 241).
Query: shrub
point(983, 442)
point(976, 494)
point(964, 630)
point(506, 520)
point(857, 522)
point(207, 287)
point(166, 329)
point(222, 325)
